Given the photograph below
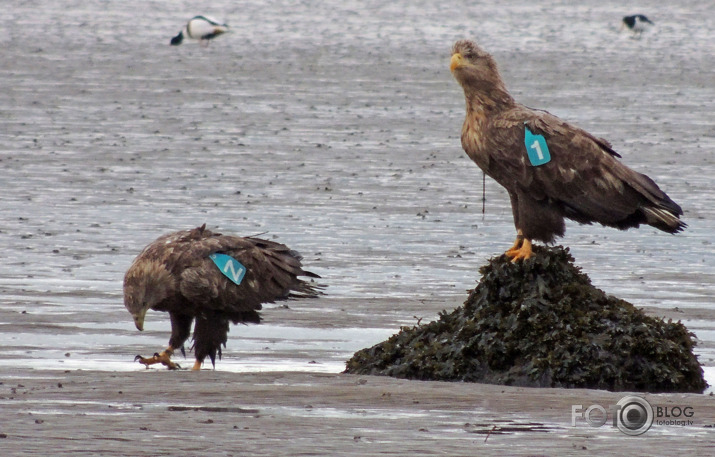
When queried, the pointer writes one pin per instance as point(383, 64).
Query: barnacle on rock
point(541, 323)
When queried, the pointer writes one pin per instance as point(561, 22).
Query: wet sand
point(216, 413)
point(336, 131)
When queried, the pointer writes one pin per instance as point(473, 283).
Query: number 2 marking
point(536, 147)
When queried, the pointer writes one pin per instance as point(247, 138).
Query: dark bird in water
point(637, 23)
point(213, 279)
point(201, 28)
point(551, 169)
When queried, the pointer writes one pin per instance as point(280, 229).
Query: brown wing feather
point(272, 272)
point(583, 174)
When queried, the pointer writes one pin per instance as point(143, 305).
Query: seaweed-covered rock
point(541, 323)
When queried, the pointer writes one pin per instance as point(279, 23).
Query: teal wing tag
point(230, 267)
point(536, 147)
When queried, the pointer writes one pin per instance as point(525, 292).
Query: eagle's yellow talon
point(514, 249)
point(164, 358)
point(521, 250)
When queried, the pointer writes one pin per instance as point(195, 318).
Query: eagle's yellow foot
point(512, 251)
point(164, 358)
point(197, 366)
point(521, 250)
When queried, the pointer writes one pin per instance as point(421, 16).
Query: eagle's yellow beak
point(456, 62)
point(139, 319)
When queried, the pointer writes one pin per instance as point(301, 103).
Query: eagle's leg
point(523, 253)
point(164, 358)
point(512, 251)
point(210, 333)
point(521, 248)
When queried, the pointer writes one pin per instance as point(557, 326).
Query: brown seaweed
point(541, 323)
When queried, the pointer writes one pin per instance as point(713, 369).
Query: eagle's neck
point(473, 136)
point(488, 100)
point(481, 105)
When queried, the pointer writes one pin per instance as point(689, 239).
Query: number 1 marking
point(535, 146)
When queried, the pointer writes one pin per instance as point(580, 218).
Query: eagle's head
point(477, 73)
point(466, 52)
point(146, 284)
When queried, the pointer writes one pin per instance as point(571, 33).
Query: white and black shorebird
point(637, 23)
point(202, 28)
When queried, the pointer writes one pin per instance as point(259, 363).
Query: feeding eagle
point(551, 169)
point(213, 279)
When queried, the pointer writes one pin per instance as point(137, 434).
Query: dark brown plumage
point(584, 181)
point(176, 275)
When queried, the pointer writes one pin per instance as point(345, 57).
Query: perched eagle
point(202, 28)
point(213, 279)
point(550, 168)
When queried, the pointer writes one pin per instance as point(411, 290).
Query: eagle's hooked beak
point(139, 319)
point(456, 62)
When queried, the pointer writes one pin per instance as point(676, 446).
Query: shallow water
point(336, 131)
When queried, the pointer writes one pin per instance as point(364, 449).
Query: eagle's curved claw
point(521, 250)
point(164, 358)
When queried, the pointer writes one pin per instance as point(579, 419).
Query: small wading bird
point(213, 279)
point(200, 28)
point(551, 169)
point(636, 23)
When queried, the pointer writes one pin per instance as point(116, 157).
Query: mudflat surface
point(334, 130)
point(217, 413)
